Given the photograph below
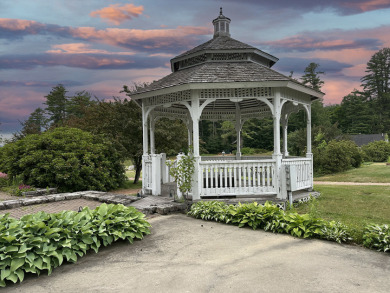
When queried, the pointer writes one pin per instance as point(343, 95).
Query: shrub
point(337, 156)
point(67, 158)
point(4, 180)
point(377, 151)
point(270, 218)
point(377, 237)
point(41, 242)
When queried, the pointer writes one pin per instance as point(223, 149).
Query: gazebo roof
point(216, 72)
point(223, 62)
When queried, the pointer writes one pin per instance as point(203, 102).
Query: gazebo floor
point(298, 196)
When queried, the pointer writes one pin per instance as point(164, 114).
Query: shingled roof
point(220, 60)
point(220, 43)
point(218, 72)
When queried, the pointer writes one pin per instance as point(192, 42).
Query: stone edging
point(90, 195)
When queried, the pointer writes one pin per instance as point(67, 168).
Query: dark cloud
point(9, 83)
point(311, 41)
point(339, 6)
point(298, 65)
point(159, 40)
point(87, 61)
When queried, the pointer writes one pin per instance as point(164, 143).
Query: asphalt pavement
point(187, 255)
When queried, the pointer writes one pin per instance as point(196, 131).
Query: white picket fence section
point(237, 177)
point(303, 174)
point(147, 177)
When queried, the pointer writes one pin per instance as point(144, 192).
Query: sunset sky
point(101, 45)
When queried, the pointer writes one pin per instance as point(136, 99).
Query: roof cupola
point(221, 25)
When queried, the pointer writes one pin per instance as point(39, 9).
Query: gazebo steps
point(298, 196)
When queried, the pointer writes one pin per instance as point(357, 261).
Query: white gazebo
point(224, 79)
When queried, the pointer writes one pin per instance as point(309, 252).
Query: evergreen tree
point(56, 103)
point(312, 76)
point(377, 82)
point(36, 123)
point(376, 85)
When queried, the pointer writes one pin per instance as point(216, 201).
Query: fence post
point(156, 174)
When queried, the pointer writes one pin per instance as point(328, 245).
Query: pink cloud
point(182, 37)
point(116, 14)
point(367, 5)
point(17, 24)
point(81, 48)
point(336, 89)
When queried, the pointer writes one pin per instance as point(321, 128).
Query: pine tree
point(312, 77)
point(56, 102)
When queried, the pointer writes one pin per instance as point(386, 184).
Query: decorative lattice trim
point(168, 98)
point(236, 93)
point(295, 96)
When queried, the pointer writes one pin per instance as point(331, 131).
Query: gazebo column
point(284, 127)
point(238, 127)
point(309, 153)
point(145, 130)
point(152, 127)
point(195, 116)
point(277, 155)
point(190, 131)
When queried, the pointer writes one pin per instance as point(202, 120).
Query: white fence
point(303, 174)
point(237, 177)
point(147, 176)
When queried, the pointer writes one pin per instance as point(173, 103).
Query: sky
point(100, 45)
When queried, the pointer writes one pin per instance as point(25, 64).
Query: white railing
point(233, 158)
point(147, 176)
point(303, 175)
point(218, 158)
point(220, 178)
point(252, 158)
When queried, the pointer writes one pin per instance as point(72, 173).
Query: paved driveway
point(187, 255)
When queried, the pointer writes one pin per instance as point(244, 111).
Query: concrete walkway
point(187, 255)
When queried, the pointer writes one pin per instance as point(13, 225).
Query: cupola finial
point(221, 25)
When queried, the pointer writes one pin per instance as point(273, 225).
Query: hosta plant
point(42, 241)
point(270, 218)
point(377, 237)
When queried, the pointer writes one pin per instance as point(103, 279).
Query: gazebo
point(225, 79)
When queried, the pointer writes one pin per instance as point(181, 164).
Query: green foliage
point(67, 158)
point(183, 171)
point(270, 218)
point(377, 237)
point(377, 151)
point(56, 105)
point(337, 156)
point(312, 76)
point(4, 180)
point(42, 242)
point(356, 115)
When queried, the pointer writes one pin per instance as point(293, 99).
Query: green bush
point(337, 156)
point(377, 237)
point(67, 158)
point(41, 242)
point(4, 180)
point(270, 218)
point(377, 151)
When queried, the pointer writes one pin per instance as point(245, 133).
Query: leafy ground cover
point(355, 206)
point(372, 172)
point(270, 218)
point(41, 242)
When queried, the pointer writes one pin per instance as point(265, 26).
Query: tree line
point(366, 112)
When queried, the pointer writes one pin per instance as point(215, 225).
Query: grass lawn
point(374, 172)
point(355, 206)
